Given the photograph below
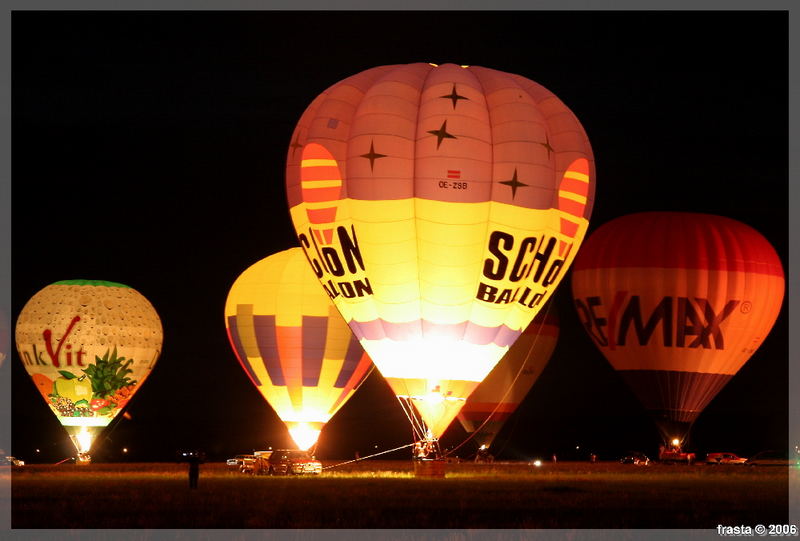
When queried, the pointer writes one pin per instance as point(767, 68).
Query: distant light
point(125, 450)
point(577, 447)
point(464, 65)
point(537, 463)
point(376, 447)
point(483, 447)
point(37, 450)
point(676, 442)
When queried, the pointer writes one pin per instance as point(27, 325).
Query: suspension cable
point(366, 457)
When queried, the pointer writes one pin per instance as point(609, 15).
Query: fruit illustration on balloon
point(88, 345)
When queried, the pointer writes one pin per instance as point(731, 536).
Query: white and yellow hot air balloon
point(440, 207)
point(88, 346)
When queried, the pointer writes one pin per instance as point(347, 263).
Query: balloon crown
point(89, 283)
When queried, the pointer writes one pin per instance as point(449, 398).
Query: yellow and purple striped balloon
point(293, 344)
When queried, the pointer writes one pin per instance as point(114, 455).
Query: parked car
point(14, 461)
point(635, 457)
point(724, 458)
point(236, 461)
point(291, 461)
point(770, 458)
point(674, 457)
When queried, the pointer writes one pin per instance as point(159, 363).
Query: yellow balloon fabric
point(498, 396)
point(440, 206)
point(88, 346)
point(293, 344)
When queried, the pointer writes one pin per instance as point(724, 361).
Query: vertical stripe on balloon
point(315, 329)
point(264, 327)
point(236, 342)
point(321, 186)
point(351, 360)
point(572, 197)
point(290, 353)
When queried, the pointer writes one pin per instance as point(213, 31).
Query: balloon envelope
point(293, 344)
point(677, 302)
point(88, 346)
point(498, 396)
point(440, 206)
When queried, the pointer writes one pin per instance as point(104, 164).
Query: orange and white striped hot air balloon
point(465, 192)
point(293, 344)
point(677, 302)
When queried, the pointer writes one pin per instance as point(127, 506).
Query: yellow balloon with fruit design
point(88, 345)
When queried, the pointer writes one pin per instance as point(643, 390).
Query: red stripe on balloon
point(575, 186)
point(290, 350)
point(319, 172)
point(568, 228)
point(321, 195)
point(322, 216)
point(571, 207)
point(688, 241)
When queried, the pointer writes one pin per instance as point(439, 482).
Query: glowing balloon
point(677, 302)
point(88, 346)
point(439, 206)
point(293, 344)
point(498, 396)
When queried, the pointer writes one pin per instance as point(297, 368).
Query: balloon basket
point(430, 469)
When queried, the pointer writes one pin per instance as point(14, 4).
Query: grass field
point(383, 494)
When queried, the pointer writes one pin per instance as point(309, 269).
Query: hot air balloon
point(88, 346)
point(498, 396)
point(293, 344)
point(677, 302)
point(439, 206)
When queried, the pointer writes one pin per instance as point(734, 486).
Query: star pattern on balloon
point(514, 183)
point(372, 155)
point(441, 134)
point(455, 96)
point(295, 144)
point(547, 146)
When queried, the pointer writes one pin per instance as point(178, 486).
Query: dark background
point(149, 148)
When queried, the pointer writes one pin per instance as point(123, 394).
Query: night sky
point(149, 149)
